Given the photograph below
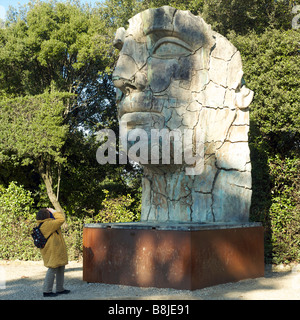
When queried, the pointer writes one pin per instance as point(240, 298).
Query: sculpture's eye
point(170, 48)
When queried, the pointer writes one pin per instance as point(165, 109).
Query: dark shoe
point(49, 294)
point(64, 292)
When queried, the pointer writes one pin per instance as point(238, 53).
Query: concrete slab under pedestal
point(172, 255)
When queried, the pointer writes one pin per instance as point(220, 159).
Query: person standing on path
point(54, 253)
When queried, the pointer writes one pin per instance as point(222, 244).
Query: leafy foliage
point(245, 16)
point(15, 202)
point(51, 44)
point(116, 210)
point(17, 218)
point(32, 126)
point(271, 66)
point(16, 221)
point(284, 211)
point(50, 52)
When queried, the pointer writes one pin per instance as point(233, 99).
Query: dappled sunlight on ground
point(24, 280)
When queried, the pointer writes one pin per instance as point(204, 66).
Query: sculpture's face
point(170, 69)
point(160, 52)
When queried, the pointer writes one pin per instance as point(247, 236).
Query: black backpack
point(38, 238)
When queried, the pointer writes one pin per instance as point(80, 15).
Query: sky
point(4, 4)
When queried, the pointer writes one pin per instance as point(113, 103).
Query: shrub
point(116, 209)
point(72, 232)
point(15, 202)
point(17, 218)
point(16, 223)
point(271, 66)
point(284, 211)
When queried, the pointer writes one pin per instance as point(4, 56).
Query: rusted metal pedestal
point(180, 256)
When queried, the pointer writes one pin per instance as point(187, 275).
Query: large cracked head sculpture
point(177, 76)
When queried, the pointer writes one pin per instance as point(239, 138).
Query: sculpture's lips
point(135, 118)
point(136, 102)
point(143, 120)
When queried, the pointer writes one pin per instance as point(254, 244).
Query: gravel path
point(23, 280)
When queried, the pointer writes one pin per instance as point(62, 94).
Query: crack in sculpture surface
point(175, 73)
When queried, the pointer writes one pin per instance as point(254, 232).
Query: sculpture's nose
point(126, 76)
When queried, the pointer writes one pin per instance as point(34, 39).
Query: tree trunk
point(45, 172)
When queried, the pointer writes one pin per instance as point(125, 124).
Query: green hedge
point(281, 220)
point(284, 217)
point(17, 218)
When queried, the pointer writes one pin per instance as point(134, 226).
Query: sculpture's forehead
point(167, 21)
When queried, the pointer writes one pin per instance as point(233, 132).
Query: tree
point(49, 52)
point(54, 45)
point(244, 16)
point(32, 132)
point(61, 51)
point(271, 66)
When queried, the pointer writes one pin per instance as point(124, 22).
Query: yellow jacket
point(55, 251)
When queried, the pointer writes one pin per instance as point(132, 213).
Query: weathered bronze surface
point(182, 259)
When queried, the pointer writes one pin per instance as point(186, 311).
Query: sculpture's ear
point(243, 98)
point(119, 38)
